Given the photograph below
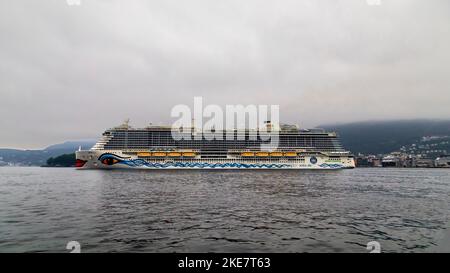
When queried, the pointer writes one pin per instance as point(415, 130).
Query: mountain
point(65, 160)
point(70, 145)
point(381, 137)
point(40, 157)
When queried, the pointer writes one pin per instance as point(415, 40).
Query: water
point(405, 210)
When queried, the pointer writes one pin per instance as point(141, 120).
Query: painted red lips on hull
point(80, 163)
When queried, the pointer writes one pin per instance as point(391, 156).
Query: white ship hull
point(95, 159)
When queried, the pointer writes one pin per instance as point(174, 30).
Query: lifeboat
point(276, 154)
point(247, 154)
point(262, 154)
point(159, 154)
point(144, 154)
point(290, 154)
point(174, 154)
point(189, 154)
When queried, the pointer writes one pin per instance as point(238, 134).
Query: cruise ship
point(155, 147)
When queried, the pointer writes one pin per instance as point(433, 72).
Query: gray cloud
point(69, 72)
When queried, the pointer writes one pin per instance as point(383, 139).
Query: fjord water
point(405, 210)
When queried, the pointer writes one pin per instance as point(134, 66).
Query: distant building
point(368, 161)
point(390, 161)
point(443, 161)
point(424, 163)
point(376, 162)
point(402, 160)
point(362, 161)
point(395, 159)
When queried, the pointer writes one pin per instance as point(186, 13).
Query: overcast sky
point(69, 72)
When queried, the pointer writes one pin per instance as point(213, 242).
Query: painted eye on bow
point(110, 161)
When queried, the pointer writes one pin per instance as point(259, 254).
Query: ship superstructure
point(155, 147)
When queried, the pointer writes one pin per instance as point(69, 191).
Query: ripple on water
point(215, 211)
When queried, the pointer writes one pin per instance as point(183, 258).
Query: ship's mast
point(126, 123)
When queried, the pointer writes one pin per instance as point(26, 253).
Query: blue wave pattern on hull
point(143, 163)
point(140, 163)
point(330, 166)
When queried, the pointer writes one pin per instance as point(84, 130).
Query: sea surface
point(404, 210)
